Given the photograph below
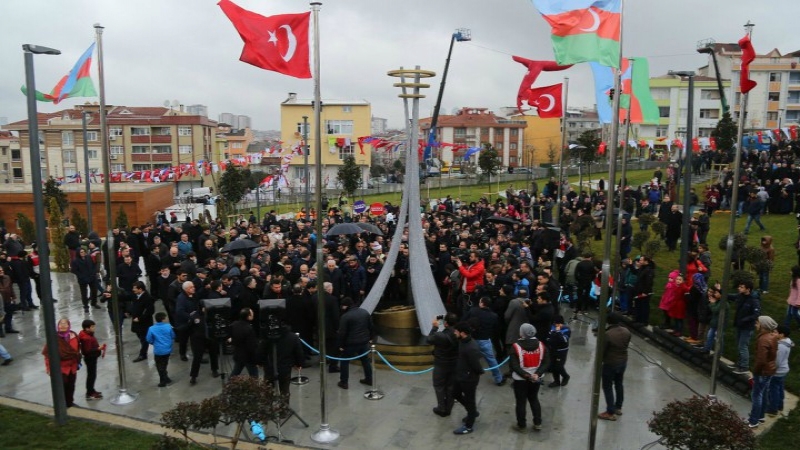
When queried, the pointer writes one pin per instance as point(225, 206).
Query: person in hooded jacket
point(85, 271)
point(529, 362)
point(765, 268)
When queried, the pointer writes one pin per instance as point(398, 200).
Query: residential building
point(243, 122)
point(140, 139)
point(228, 119)
point(580, 120)
point(473, 127)
point(379, 125)
point(343, 122)
point(197, 110)
point(10, 159)
point(238, 142)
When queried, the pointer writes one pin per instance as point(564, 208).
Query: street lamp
point(687, 169)
point(46, 297)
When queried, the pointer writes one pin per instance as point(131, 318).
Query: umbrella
point(615, 211)
point(445, 213)
point(503, 220)
point(369, 228)
point(344, 228)
point(239, 245)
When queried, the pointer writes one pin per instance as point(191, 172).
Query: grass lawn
point(26, 430)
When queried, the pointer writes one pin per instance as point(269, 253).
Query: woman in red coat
point(68, 350)
point(677, 309)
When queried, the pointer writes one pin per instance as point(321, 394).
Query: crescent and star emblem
point(551, 103)
point(595, 23)
point(290, 39)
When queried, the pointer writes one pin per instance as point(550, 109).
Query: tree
point(121, 221)
point(725, 132)
point(349, 175)
point(232, 187)
point(489, 161)
point(51, 190)
point(552, 152)
point(28, 230)
point(586, 151)
point(58, 250)
point(80, 224)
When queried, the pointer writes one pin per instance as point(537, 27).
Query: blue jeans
point(4, 353)
point(710, 337)
point(743, 344)
point(750, 219)
point(487, 350)
point(792, 312)
point(763, 281)
point(775, 394)
point(25, 292)
point(759, 397)
point(612, 384)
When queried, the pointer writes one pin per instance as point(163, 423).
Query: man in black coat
point(585, 272)
point(468, 373)
point(245, 343)
point(332, 313)
point(333, 274)
point(674, 221)
point(128, 273)
point(141, 310)
point(355, 335)
point(445, 355)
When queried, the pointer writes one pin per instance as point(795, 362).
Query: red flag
point(695, 145)
point(713, 143)
point(601, 149)
point(748, 56)
point(793, 132)
point(278, 43)
point(547, 101)
point(777, 133)
point(760, 136)
point(534, 69)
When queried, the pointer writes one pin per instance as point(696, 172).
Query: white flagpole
point(325, 434)
point(123, 396)
point(606, 275)
point(557, 215)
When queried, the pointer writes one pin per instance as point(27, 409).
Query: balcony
point(162, 157)
point(154, 139)
point(140, 157)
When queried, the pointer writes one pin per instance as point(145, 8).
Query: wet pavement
point(402, 419)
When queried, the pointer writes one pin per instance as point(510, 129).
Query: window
point(41, 137)
point(69, 157)
point(513, 132)
point(238, 145)
point(498, 146)
point(184, 131)
point(663, 111)
point(117, 149)
point(16, 155)
point(485, 132)
point(794, 97)
point(774, 76)
point(659, 93)
point(300, 128)
point(704, 132)
point(794, 77)
point(459, 132)
point(572, 125)
point(140, 167)
point(709, 94)
point(140, 149)
point(346, 151)
point(662, 131)
point(162, 149)
point(709, 114)
point(792, 116)
point(683, 112)
point(91, 136)
point(69, 172)
point(162, 131)
point(339, 126)
point(118, 167)
point(140, 131)
point(772, 115)
point(5, 151)
point(115, 131)
point(774, 96)
point(17, 171)
point(67, 139)
point(347, 109)
point(93, 154)
point(185, 149)
point(512, 146)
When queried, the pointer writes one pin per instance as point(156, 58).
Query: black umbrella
point(239, 245)
point(445, 213)
point(344, 228)
point(500, 219)
point(369, 228)
point(615, 211)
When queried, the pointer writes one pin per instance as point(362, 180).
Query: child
point(91, 350)
point(161, 336)
point(775, 392)
point(558, 344)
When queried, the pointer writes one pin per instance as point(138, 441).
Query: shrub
point(81, 225)
point(121, 221)
point(58, 251)
point(26, 227)
point(659, 228)
point(701, 424)
point(640, 239)
point(647, 219)
point(740, 276)
point(651, 248)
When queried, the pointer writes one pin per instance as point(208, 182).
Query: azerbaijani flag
point(77, 83)
point(584, 30)
point(635, 92)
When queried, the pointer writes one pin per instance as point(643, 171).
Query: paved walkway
point(402, 419)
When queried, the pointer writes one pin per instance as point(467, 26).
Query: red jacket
point(471, 276)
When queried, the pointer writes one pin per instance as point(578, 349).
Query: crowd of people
point(511, 282)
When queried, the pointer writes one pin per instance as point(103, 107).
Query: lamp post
point(84, 118)
point(687, 170)
point(45, 300)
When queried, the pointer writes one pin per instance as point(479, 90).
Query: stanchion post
point(299, 380)
point(373, 393)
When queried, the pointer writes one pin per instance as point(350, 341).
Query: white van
point(198, 194)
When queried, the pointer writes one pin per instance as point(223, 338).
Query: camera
point(440, 317)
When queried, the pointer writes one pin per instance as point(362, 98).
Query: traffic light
point(611, 94)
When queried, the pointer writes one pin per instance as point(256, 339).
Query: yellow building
point(542, 139)
point(343, 122)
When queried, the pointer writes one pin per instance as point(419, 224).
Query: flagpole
point(123, 397)
point(557, 216)
point(86, 172)
point(726, 273)
point(606, 274)
point(325, 434)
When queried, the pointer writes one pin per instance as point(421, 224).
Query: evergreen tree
point(121, 221)
point(80, 224)
point(349, 175)
point(28, 230)
point(233, 185)
point(52, 190)
point(725, 132)
point(58, 251)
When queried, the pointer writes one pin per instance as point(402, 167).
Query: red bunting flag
point(760, 136)
point(777, 133)
point(695, 144)
point(748, 56)
point(601, 149)
point(793, 132)
point(278, 43)
point(713, 142)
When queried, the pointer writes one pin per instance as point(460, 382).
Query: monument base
point(399, 339)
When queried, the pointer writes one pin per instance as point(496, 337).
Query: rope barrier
point(405, 372)
point(333, 357)
point(488, 369)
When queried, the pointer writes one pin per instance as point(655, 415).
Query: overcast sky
point(157, 50)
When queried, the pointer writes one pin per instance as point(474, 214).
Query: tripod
point(274, 378)
point(223, 358)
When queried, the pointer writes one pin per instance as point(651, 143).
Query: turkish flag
point(534, 69)
point(713, 143)
point(748, 56)
point(278, 43)
point(547, 101)
point(601, 149)
point(695, 145)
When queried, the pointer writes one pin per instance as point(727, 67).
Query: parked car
point(197, 195)
point(519, 170)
